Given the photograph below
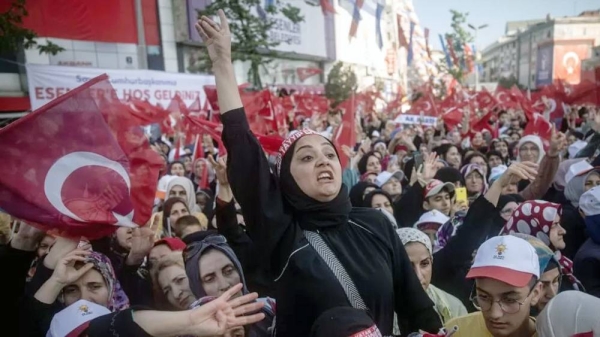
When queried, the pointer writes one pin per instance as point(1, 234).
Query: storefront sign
point(48, 82)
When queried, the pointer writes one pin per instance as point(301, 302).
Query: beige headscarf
point(188, 186)
point(570, 313)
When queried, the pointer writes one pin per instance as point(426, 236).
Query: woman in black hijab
point(359, 191)
point(305, 200)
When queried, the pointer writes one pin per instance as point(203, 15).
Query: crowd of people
point(426, 231)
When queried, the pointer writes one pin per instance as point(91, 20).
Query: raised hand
point(429, 168)
point(220, 166)
point(558, 143)
point(66, 273)
point(222, 314)
point(27, 238)
point(519, 171)
point(365, 146)
point(348, 151)
point(61, 248)
point(216, 37)
point(142, 241)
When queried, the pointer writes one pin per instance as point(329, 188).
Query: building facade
point(540, 51)
point(110, 34)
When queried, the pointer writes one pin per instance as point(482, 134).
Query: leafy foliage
point(459, 36)
point(509, 82)
point(13, 35)
point(341, 84)
point(250, 33)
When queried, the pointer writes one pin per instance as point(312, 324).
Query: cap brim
point(449, 186)
point(79, 330)
point(509, 276)
point(398, 175)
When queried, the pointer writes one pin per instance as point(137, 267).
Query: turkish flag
point(79, 168)
point(145, 113)
point(452, 117)
point(345, 133)
point(304, 73)
point(539, 126)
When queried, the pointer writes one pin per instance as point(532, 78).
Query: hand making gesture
point(216, 37)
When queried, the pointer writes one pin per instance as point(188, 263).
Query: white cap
point(497, 172)
point(383, 177)
point(589, 202)
point(375, 133)
point(508, 259)
point(74, 319)
point(577, 169)
point(576, 147)
point(433, 217)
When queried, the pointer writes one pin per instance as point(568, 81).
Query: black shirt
point(367, 247)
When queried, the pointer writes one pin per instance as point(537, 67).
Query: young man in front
point(439, 196)
point(506, 270)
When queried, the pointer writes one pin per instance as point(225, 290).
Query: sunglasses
point(195, 247)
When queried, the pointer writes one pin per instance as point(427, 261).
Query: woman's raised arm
point(253, 185)
point(217, 39)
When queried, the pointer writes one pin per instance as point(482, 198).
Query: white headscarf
point(188, 186)
point(537, 141)
point(408, 235)
point(569, 313)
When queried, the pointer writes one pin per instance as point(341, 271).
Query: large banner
point(568, 57)
point(544, 65)
point(48, 82)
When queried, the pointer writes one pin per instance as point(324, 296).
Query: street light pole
point(476, 29)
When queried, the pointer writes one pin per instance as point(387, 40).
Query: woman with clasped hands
point(301, 219)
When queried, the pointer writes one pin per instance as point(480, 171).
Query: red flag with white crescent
point(539, 126)
point(345, 133)
point(82, 169)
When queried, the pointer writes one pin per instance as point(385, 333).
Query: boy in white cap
point(506, 270)
point(430, 222)
point(439, 196)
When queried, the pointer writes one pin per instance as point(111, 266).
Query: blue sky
point(435, 14)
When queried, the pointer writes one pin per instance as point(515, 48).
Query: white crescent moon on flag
point(66, 165)
point(552, 104)
point(428, 106)
point(500, 96)
point(570, 67)
point(570, 55)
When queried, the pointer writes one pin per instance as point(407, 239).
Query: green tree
point(341, 84)
point(509, 82)
point(459, 36)
point(13, 36)
point(250, 33)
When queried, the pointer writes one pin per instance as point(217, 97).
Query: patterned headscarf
point(470, 168)
point(408, 235)
point(288, 142)
point(117, 299)
point(535, 218)
point(448, 230)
